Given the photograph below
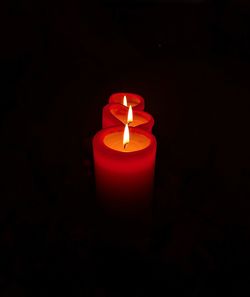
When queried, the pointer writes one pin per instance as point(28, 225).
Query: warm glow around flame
point(130, 115)
point(125, 101)
point(126, 136)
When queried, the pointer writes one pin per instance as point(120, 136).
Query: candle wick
point(125, 144)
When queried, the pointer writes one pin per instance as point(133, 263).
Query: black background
point(60, 61)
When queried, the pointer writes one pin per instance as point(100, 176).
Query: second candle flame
point(130, 115)
point(125, 136)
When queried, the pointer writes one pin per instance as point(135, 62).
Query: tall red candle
point(124, 176)
point(135, 100)
point(117, 114)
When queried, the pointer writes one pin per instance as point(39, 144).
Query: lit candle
point(117, 115)
point(126, 99)
point(124, 161)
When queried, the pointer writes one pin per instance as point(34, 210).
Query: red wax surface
point(135, 100)
point(116, 115)
point(124, 177)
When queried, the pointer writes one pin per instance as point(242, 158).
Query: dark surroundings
point(60, 61)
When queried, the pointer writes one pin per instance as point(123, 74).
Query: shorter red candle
point(117, 115)
point(135, 100)
point(124, 168)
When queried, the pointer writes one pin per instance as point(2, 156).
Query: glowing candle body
point(124, 177)
point(116, 115)
point(135, 100)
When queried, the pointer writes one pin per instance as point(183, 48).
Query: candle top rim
point(137, 100)
point(100, 135)
point(141, 142)
point(116, 106)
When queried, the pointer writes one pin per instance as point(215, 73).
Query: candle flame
point(130, 115)
point(125, 136)
point(125, 101)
